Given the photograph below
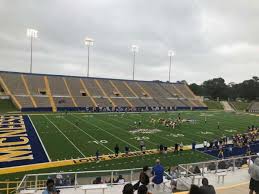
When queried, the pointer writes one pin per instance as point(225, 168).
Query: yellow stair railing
point(6, 89)
point(104, 93)
point(194, 96)
point(143, 89)
point(87, 92)
point(52, 103)
point(28, 91)
point(69, 92)
point(132, 91)
point(183, 94)
point(129, 103)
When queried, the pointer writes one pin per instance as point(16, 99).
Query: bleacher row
point(40, 92)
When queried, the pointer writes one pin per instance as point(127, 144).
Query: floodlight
point(170, 53)
point(89, 41)
point(32, 33)
point(134, 48)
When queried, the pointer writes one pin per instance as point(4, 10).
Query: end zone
point(19, 142)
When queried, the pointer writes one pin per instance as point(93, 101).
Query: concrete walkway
point(235, 189)
point(227, 106)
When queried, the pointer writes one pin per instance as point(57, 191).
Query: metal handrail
point(84, 172)
point(183, 167)
point(109, 172)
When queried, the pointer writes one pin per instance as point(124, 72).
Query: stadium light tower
point(32, 34)
point(134, 49)
point(170, 54)
point(88, 42)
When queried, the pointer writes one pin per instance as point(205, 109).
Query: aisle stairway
point(227, 106)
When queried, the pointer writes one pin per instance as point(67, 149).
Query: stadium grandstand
point(38, 92)
point(254, 107)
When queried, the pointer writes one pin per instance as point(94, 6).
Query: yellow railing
point(69, 92)
point(28, 91)
point(87, 92)
point(115, 87)
point(17, 103)
point(10, 187)
point(143, 89)
point(53, 105)
point(104, 93)
point(127, 85)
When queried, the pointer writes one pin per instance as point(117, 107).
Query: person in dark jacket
point(143, 177)
point(196, 170)
point(206, 188)
point(195, 190)
point(254, 174)
point(128, 189)
point(116, 150)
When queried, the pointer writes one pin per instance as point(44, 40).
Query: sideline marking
point(111, 133)
point(87, 133)
point(65, 136)
point(40, 139)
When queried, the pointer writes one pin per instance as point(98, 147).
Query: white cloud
point(210, 38)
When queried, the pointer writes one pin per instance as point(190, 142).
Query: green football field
point(75, 135)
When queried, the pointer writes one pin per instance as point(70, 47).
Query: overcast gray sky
point(210, 38)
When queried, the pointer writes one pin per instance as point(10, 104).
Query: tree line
point(217, 88)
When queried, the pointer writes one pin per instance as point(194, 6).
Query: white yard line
point(109, 133)
point(65, 136)
point(180, 132)
point(126, 133)
point(87, 134)
point(133, 127)
point(40, 139)
point(162, 136)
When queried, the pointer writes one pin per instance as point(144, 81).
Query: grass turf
point(79, 135)
point(6, 106)
point(241, 106)
point(213, 105)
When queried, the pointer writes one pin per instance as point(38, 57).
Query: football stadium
point(143, 133)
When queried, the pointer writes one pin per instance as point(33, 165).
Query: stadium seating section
point(30, 92)
point(254, 107)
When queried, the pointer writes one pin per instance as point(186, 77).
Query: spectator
point(195, 190)
point(143, 190)
point(128, 189)
point(143, 177)
point(249, 162)
point(196, 170)
point(174, 173)
point(158, 172)
point(67, 180)
point(59, 179)
point(98, 180)
point(50, 188)
point(206, 188)
point(120, 180)
point(254, 174)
